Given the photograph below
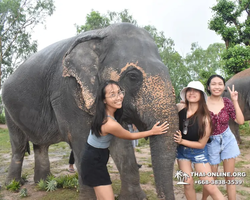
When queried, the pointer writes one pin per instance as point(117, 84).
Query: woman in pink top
point(223, 146)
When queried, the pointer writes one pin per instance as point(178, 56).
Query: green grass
point(244, 129)
point(245, 144)
point(146, 177)
point(143, 142)
point(61, 194)
point(116, 185)
point(247, 179)
point(151, 195)
point(243, 192)
point(223, 190)
point(138, 150)
point(241, 164)
point(4, 141)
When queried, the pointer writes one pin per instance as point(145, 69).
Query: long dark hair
point(201, 114)
point(100, 117)
point(209, 81)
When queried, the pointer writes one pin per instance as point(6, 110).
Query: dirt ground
point(59, 165)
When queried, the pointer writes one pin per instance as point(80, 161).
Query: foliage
point(14, 186)
point(65, 181)
point(17, 19)
point(23, 192)
point(25, 177)
point(41, 185)
point(171, 58)
point(2, 117)
point(69, 182)
point(143, 142)
point(51, 185)
point(4, 141)
point(228, 22)
point(245, 129)
point(95, 20)
point(201, 63)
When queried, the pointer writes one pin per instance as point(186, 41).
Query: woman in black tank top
point(192, 137)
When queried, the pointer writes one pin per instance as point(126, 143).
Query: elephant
point(241, 82)
point(50, 98)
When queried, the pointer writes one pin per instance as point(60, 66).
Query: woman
point(195, 129)
point(224, 146)
point(104, 126)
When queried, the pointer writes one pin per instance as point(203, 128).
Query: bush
point(14, 186)
point(2, 118)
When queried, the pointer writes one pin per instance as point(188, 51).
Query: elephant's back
point(239, 77)
point(38, 69)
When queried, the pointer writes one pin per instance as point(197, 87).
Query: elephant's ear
point(82, 62)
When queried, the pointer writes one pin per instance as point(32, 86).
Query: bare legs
point(104, 192)
point(189, 191)
point(228, 165)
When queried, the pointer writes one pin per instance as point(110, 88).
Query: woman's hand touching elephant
point(233, 93)
point(178, 137)
point(157, 130)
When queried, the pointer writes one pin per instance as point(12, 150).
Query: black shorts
point(94, 171)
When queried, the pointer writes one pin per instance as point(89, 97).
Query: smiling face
point(193, 95)
point(216, 86)
point(113, 96)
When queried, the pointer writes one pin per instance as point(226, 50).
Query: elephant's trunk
point(161, 108)
point(163, 157)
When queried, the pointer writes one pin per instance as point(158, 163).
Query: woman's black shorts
point(94, 170)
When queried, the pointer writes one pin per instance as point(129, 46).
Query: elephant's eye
point(132, 76)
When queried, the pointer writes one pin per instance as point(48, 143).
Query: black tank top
point(192, 128)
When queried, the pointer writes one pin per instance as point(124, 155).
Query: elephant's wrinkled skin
point(50, 98)
point(241, 82)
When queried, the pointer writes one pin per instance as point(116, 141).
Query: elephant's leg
point(123, 155)
point(42, 164)
point(19, 145)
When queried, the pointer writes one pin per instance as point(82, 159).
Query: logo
point(181, 176)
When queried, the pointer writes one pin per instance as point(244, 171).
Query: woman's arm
point(239, 115)
point(114, 128)
point(200, 144)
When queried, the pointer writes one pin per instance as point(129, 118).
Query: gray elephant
point(241, 82)
point(50, 98)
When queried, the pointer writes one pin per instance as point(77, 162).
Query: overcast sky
point(185, 21)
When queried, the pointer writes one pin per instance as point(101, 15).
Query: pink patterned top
point(220, 120)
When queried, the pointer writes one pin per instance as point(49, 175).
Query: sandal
point(71, 170)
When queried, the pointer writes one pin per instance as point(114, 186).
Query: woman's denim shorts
point(222, 146)
point(193, 155)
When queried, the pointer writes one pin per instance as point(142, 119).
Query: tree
point(95, 20)
point(201, 63)
point(17, 19)
point(172, 59)
point(235, 31)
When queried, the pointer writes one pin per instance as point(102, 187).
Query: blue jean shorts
point(193, 155)
point(222, 146)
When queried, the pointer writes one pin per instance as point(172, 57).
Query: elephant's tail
point(28, 147)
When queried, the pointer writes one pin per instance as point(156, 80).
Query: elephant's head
point(129, 55)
